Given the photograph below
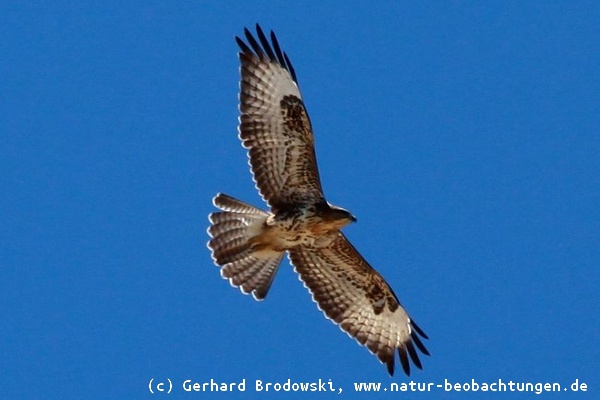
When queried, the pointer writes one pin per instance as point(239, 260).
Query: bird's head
point(338, 216)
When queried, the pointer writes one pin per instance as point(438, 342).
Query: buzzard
point(249, 244)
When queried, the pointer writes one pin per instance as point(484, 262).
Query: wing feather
point(274, 125)
point(357, 298)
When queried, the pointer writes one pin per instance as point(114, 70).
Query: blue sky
point(464, 136)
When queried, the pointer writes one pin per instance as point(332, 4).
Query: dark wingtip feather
point(420, 345)
point(277, 48)
point(413, 354)
point(390, 366)
point(290, 68)
point(265, 43)
point(264, 49)
point(253, 43)
point(419, 330)
point(242, 45)
point(404, 359)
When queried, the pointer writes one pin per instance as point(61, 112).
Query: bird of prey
point(248, 244)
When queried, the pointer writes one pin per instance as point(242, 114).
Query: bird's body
point(313, 225)
point(249, 244)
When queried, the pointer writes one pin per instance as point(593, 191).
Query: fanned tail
point(231, 231)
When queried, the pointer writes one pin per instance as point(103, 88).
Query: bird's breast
point(303, 226)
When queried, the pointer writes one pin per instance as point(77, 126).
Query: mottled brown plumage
point(248, 244)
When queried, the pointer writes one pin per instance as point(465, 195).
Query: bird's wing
point(274, 125)
point(358, 299)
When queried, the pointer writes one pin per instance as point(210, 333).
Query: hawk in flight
point(249, 244)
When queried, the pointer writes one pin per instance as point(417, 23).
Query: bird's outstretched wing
point(357, 298)
point(274, 125)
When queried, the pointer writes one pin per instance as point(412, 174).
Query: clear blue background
point(464, 136)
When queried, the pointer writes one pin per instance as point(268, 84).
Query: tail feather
point(228, 203)
point(218, 228)
point(229, 245)
point(231, 231)
point(253, 274)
